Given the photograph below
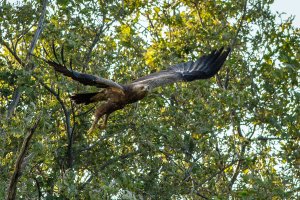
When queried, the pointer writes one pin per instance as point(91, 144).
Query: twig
point(239, 26)
point(88, 54)
point(272, 138)
point(84, 113)
point(201, 195)
point(243, 147)
point(219, 172)
point(237, 169)
point(199, 14)
point(226, 82)
point(12, 188)
point(153, 27)
point(12, 52)
point(19, 38)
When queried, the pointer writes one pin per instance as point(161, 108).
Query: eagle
point(114, 96)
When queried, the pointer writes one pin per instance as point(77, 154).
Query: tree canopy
point(233, 136)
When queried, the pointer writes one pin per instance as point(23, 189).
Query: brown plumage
point(115, 96)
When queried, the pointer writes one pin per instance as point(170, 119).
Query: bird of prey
point(114, 96)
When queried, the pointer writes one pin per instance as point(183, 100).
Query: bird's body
point(114, 96)
point(112, 99)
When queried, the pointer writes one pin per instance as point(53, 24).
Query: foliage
point(233, 136)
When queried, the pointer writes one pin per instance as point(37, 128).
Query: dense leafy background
point(235, 135)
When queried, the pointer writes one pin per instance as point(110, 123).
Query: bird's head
point(141, 88)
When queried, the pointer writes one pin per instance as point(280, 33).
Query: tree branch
point(12, 52)
point(12, 188)
point(17, 93)
point(38, 31)
point(102, 28)
point(260, 138)
point(237, 126)
point(233, 43)
point(13, 104)
point(237, 169)
point(65, 110)
point(88, 54)
point(38, 187)
point(219, 172)
point(67, 121)
point(199, 14)
point(153, 27)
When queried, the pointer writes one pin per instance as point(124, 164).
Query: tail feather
point(85, 98)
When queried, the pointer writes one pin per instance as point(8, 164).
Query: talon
point(103, 126)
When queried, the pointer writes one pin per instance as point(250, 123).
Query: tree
point(233, 136)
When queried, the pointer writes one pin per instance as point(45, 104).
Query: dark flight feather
point(203, 68)
point(85, 79)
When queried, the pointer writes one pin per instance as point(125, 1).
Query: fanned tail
point(85, 98)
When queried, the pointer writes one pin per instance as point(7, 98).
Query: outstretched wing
point(203, 68)
point(85, 79)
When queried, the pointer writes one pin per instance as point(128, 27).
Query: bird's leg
point(98, 113)
point(104, 110)
point(105, 118)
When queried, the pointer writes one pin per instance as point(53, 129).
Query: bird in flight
point(114, 96)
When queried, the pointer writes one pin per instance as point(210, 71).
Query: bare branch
point(13, 104)
point(67, 121)
point(17, 92)
point(65, 110)
point(38, 31)
point(12, 188)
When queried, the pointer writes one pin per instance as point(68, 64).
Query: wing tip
point(218, 57)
